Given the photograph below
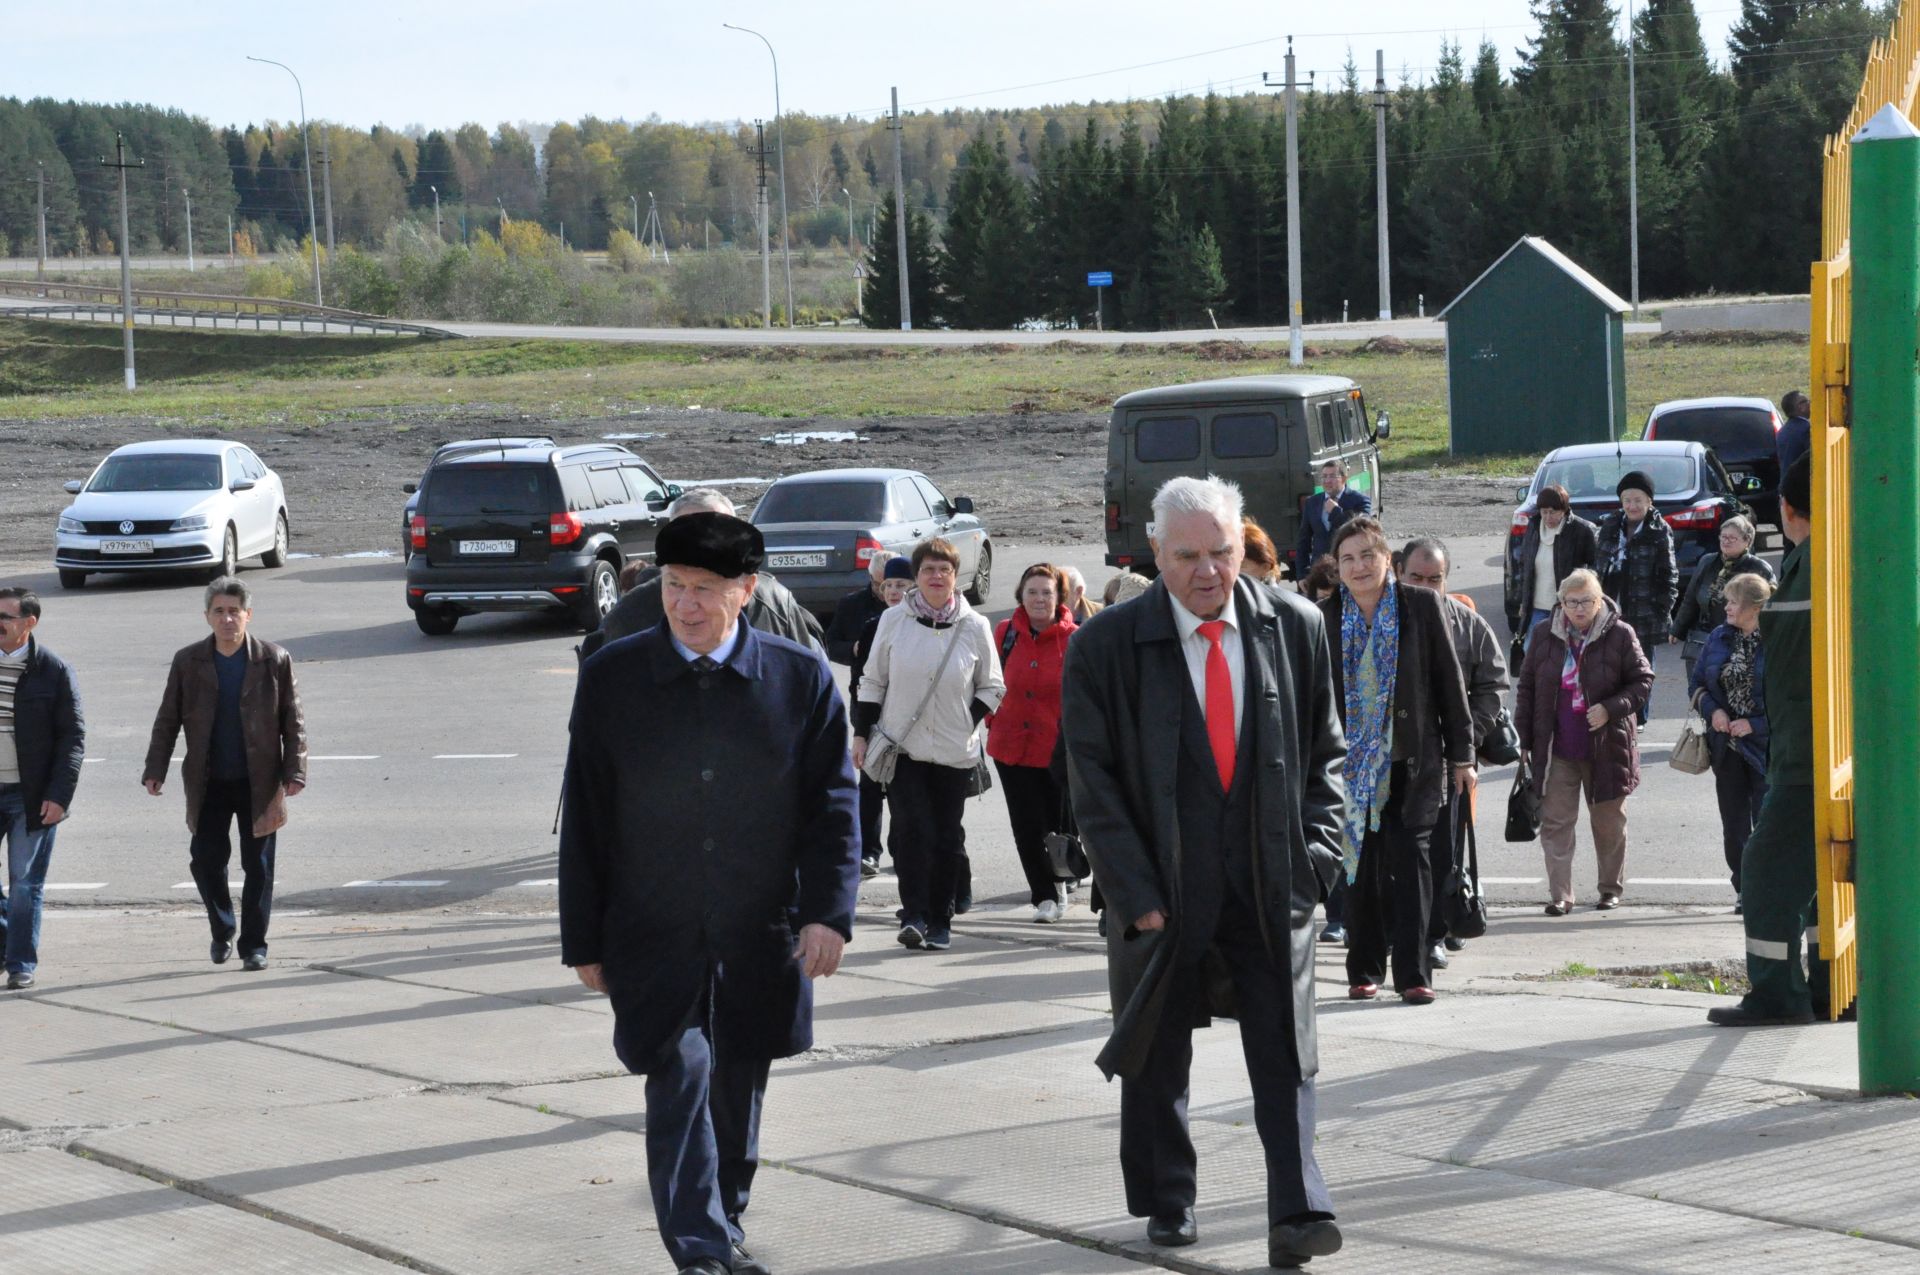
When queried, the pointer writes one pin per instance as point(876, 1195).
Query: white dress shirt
point(721, 654)
point(1195, 647)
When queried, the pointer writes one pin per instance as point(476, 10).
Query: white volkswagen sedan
point(200, 504)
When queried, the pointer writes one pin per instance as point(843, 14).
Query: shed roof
point(1600, 291)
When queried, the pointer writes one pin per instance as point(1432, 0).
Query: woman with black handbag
point(930, 678)
point(1584, 679)
point(1032, 643)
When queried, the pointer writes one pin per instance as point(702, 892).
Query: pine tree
point(880, 297)
point(986, 258)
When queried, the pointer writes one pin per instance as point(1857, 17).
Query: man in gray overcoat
point(1204, 753)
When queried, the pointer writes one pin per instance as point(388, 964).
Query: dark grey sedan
point(823, 528)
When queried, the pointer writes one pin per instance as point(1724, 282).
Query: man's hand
point(859, 753)
point(1465, 779)
point(51, 812)
point(593, 976)
point(1740, 729)
point(152, 786)
point(819, 950)
point(1721, 722)
point(1332, 506)
point(1597, 716)
point(295, 788)
point(1154, 920)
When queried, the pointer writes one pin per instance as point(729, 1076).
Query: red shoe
point(1419, 996)
point(1363, 991)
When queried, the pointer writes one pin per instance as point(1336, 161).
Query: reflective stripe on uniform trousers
point(1783, 608)
point(1766, 949)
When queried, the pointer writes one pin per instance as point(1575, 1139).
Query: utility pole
point(188, 196)
point(1633, 168)
point(306, 153)
point(230, 252)
point(326, 184)
point(766, 258)
point(900, 216)
point(1296, 351)
point(436, 212)
point(119, 161)
point(1380, 168)
point(853, 251)
point(635, 201)
point(40, 214)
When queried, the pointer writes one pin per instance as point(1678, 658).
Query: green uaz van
point(1269, 434)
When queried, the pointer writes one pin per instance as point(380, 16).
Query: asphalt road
point(436, 762)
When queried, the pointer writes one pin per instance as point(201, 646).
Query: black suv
point(530, 528)
point(449, 449)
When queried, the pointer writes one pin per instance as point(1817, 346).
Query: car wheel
point(72, 579)
point(602, 591)
point(982, 577)
point(435, 622)
point(277, 556)
point(229, 563)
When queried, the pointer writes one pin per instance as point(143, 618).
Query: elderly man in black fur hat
point(709, 865)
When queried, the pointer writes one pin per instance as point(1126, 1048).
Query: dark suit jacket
point(1432, 724)
point(1315, 535)
point(49, 732)
point(849, 619)
point(1123, 694)
point(709, 816)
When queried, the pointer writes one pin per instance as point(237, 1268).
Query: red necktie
point(1219, 702)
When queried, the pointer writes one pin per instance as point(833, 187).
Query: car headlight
point(72, 526)
point(192, 522)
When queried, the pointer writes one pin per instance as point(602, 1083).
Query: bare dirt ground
point(1035, 478)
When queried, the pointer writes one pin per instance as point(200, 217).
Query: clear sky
point(402, 62)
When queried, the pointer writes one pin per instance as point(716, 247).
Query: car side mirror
point(673, 491)
point(409, 488)
point(659, 503)
point(1383, 426)
point(73, 486)
point(963, 504)
point(243, 484)
point(1520, 494)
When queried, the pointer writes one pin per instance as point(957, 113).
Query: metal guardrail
point(89, 302)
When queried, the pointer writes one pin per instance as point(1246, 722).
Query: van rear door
point(1159, 445)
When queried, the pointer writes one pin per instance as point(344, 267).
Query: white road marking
point(1511, 880)
point(231, 885)
point(474, 756)
point(1679, 881)
point(89, 761)
point(539, 881)
point(347, 757)
point(390, 885)
point(75, 885)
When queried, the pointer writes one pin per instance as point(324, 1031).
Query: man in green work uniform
point(1777, 874)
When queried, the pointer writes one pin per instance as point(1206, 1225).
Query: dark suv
point(443, 451)
point(534, 528)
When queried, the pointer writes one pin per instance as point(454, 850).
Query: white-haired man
point(771, 609)
point(856, 609)
point(1205, 753)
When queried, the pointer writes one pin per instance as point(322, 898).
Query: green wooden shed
point(1535, 356)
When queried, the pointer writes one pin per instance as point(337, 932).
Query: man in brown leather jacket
point(235, 698)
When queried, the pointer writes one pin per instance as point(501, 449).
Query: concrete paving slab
point(398, 1028)
point(61, 1215)
point(1658, 1037)
point(64, 1067)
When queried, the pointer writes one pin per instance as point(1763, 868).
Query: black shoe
point(256, 961)
point(1294, 1244)
point(1741, 1016)
point(707, 1266)
point(1456, 945)
point(1175, 1230)
point(869, 868)
point(19, 982)
point(1103, 925)
point(745, 1263)
point(221, 951)
point(939, 937)
point(913, 933)
point(963, 900)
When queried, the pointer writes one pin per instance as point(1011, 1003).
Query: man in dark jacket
point(857, 609)
point(1529, 596)
point(1324, 513)
point(1795, 438)
point(771, 609)
point(1424, 564)
point(1779, 873)
point(709, 865)
point(1637, 568)
point(43, 740)
point(235, 698)
point(1204, 755)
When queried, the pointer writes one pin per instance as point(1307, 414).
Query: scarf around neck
point(922, 609)
point(1369, 664)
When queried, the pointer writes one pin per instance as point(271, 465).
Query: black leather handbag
point(1523, 806)
point(1466, 906)
point(1501, 747)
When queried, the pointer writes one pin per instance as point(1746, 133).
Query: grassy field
point(55, 372)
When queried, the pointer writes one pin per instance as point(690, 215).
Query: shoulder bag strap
point(946, 657)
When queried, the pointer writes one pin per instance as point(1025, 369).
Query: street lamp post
point(436, 213)
point(635, 201)
point(780, 146)
point(306, 148)
point(501, 203)
point(850, 251)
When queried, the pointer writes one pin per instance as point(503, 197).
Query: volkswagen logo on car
point(126, 528)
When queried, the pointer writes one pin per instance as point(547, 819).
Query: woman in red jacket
point(1033, 647)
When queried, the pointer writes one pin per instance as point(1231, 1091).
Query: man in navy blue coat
point(1325, 512)
point(709, 866)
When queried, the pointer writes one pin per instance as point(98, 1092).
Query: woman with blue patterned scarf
point(1403, 703)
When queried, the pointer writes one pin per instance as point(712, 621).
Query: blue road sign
point(1099, 278)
